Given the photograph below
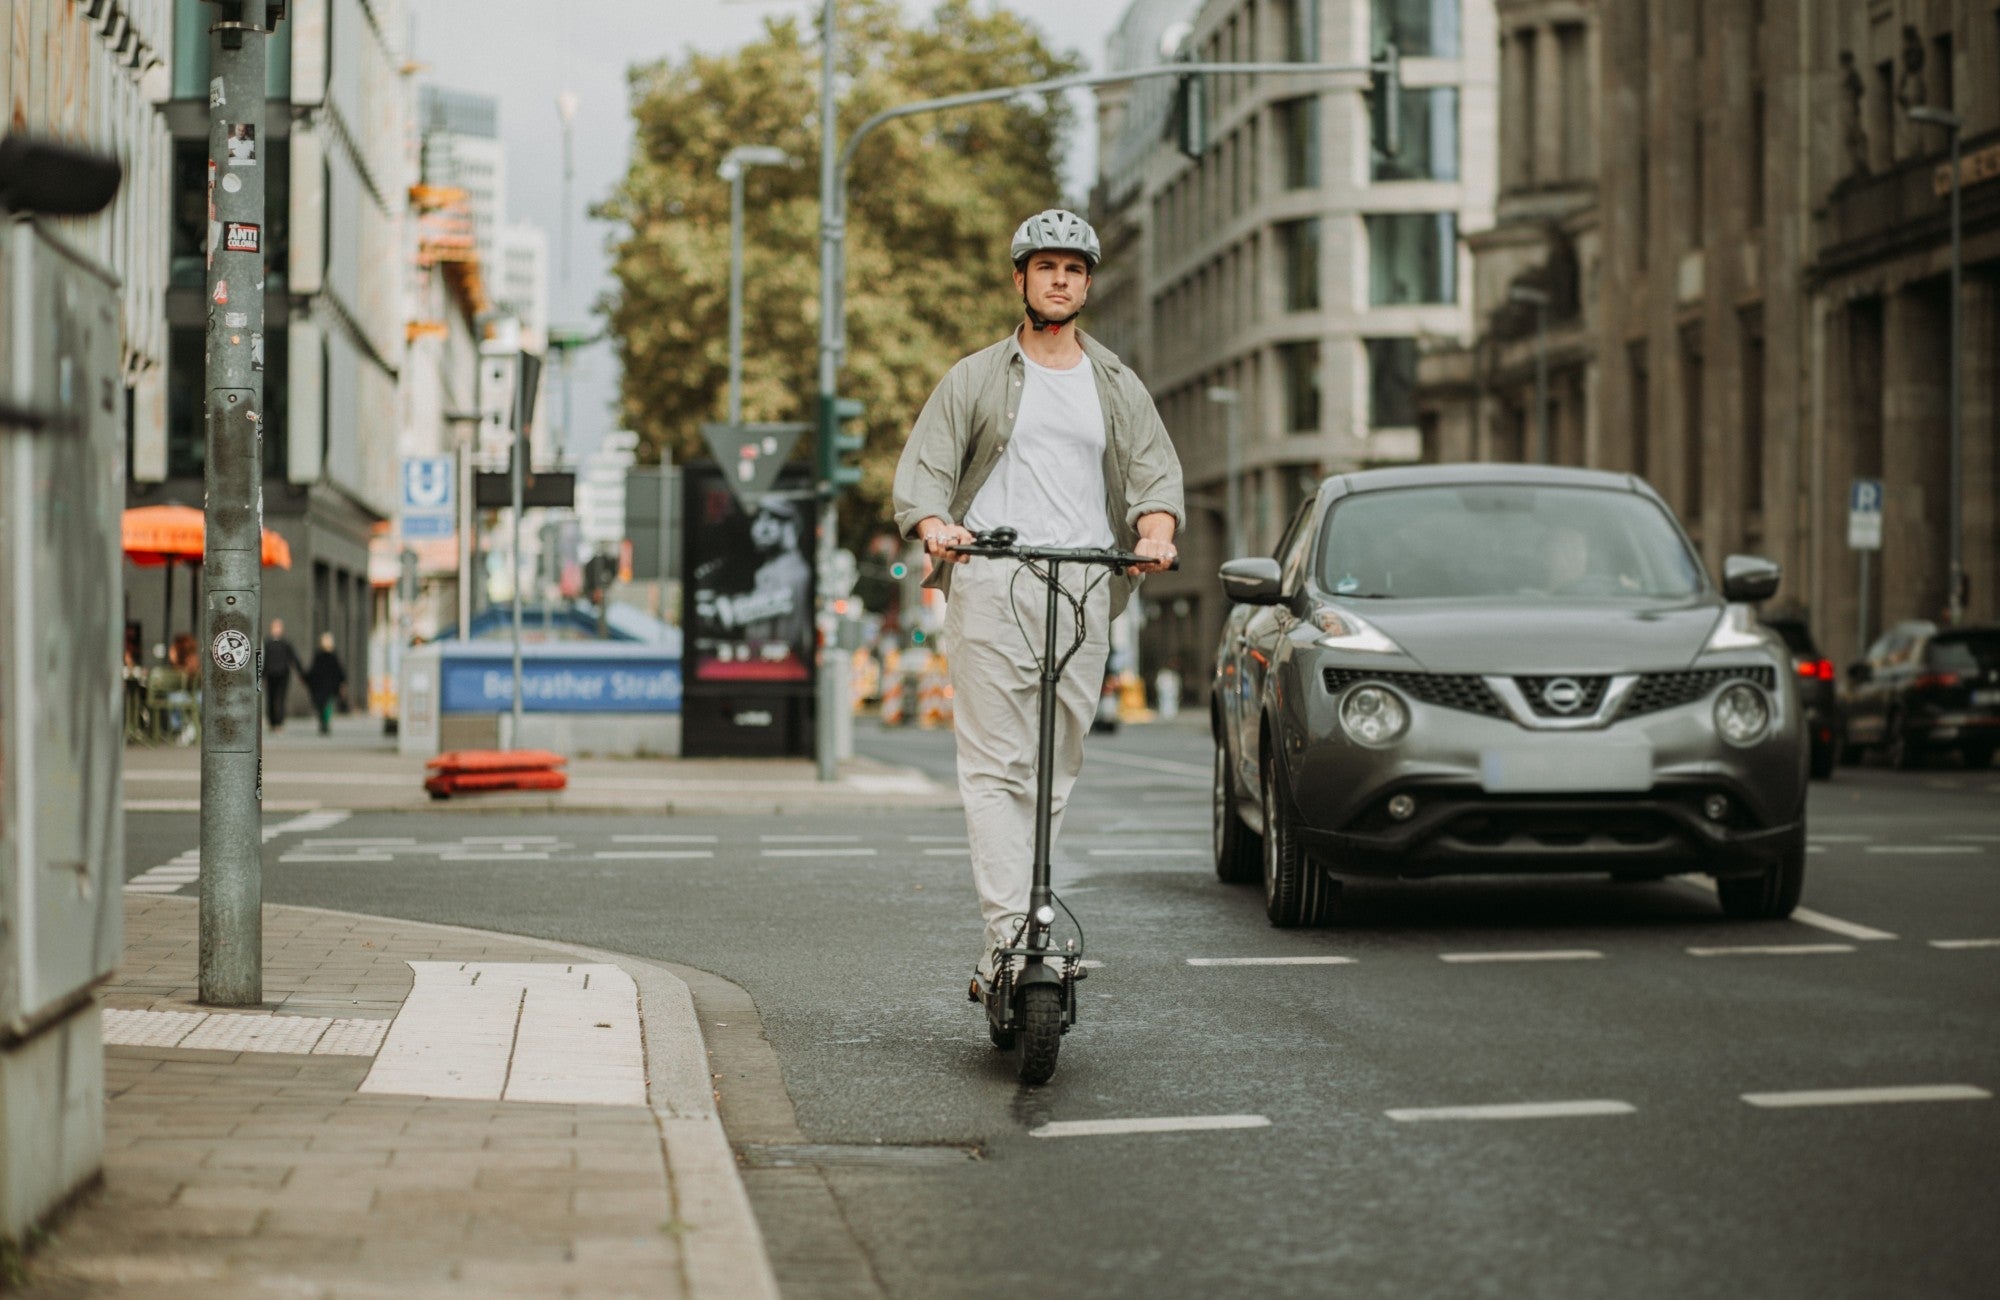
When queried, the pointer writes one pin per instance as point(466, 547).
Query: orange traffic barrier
point(892, 700)
point(469, 771)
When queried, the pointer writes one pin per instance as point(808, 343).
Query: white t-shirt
point(1049, 483)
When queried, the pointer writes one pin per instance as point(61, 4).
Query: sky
point(527, 52)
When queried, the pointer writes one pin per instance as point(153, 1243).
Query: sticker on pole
point(232, 651)
point(242, 237)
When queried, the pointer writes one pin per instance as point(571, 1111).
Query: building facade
point(336, 182)
point(1747, 274)
point(1279, 284)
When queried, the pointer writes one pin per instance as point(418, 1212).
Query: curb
point(723, 1251)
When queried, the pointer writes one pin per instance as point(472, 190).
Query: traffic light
point(835, 445)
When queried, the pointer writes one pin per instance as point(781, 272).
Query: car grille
point(1590, 694)
point(1657, 691)
point(1462, 691)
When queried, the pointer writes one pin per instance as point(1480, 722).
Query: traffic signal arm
point(835, 445)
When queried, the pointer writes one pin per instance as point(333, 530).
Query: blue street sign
point(427, 528)
point(428, 483)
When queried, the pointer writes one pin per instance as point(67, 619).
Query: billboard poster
point(749, 580)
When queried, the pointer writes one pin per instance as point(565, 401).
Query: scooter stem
point(1040, 894)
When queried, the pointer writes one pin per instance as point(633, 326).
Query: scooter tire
point(1041, 1032)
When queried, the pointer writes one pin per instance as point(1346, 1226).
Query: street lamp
point(1539, 299)
point(1955, 601)
point(1230, 401)
point(734, 163)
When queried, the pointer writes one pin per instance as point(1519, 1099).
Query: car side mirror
point(1859, 672)
point(1749, 578)
point(1252, 580)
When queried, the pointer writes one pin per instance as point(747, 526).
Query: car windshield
point(1971, 652)
point(1505, 540)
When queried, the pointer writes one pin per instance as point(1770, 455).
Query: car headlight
point(1344, 630)
point(1373, 715)
point(1742, 714)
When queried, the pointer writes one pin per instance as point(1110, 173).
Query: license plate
point(1568, 769)
point(1986, 697)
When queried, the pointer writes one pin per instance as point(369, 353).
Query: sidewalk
point(358, 768)
point(367, 1132)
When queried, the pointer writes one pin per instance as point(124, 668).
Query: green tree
point(932, 203)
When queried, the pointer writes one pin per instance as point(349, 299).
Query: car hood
point(1464, 637)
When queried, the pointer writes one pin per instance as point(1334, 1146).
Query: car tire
point(1297, 892)
point(1770, 895)
point(1239, 853)
point(1902, 753)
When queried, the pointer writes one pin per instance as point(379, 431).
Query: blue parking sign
point(1864, 515)
point(428, 483)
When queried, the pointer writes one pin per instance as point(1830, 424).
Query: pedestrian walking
point(280, 662)
point(326, 682)
point(1048, 433)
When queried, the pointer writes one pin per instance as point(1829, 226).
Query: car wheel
point(1903, 753)
point(1296, 891)
point(1978, 756)
point(1238, 855)
point(1772, 894)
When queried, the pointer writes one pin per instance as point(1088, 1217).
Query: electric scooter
point(1032, 1008)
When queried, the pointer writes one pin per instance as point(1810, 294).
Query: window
point(1298, 141)
point(1298, 367)
point(1697, 186)
point(1299, 244)
point(187, 376)
point(1692, 423)
point(1429, 147)
point(1412, 257)
point(1418, 28)
point(1392, 383)
point(1639, 405)
point(1300, 32)
point(1754, 196)
point(1573, 70)
point(1940, 70)
point(1751, 436)
point(187, 249)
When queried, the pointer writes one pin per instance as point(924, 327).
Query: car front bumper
point(1655, 817)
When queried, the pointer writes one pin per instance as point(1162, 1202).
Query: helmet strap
point(1040, 323)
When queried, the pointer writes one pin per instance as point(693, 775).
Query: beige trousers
point(996, 712)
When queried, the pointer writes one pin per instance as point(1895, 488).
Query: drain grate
point(781, 1155)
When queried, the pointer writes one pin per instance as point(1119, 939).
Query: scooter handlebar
point(1000, 544)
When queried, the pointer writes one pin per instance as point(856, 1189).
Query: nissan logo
point(1564, 695)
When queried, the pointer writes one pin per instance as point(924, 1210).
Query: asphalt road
point(1638, 1016)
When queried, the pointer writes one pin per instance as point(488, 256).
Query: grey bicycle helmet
point(1056, 228)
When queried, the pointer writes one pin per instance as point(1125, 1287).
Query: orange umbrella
point(163, 534)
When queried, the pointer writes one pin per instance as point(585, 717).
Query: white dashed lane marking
point(1149, 853)
point(1163, 1124)
point(1869, 1096)
point(1559, 954)
point(808, 839)
point(1514, 1110)
point(663, 839)
point(1772, 950)
point(818, 853)
point(1922, 850)
point(650, 855)
point(1834, 925)
point(1965, 943)
point(1270, 961)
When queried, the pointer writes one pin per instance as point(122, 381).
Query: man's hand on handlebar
point(940, 537)
point(1161, 551)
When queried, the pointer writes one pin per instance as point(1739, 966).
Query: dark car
point(1819, 694)
point(1502, 668)
point(1922, 690)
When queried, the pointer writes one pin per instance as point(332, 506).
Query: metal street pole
point(831, 234)
point(231, 951)
point(1231, 401)
point(518, 458)
point(466, 422)
point(734, 164)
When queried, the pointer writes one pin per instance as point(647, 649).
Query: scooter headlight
point(1373, 715)
point(1742, 714)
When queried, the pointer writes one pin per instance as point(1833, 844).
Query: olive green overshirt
point(969, 420)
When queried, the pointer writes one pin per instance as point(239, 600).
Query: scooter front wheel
point(1040, 1032)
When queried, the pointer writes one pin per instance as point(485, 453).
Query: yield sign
point(750, 456)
